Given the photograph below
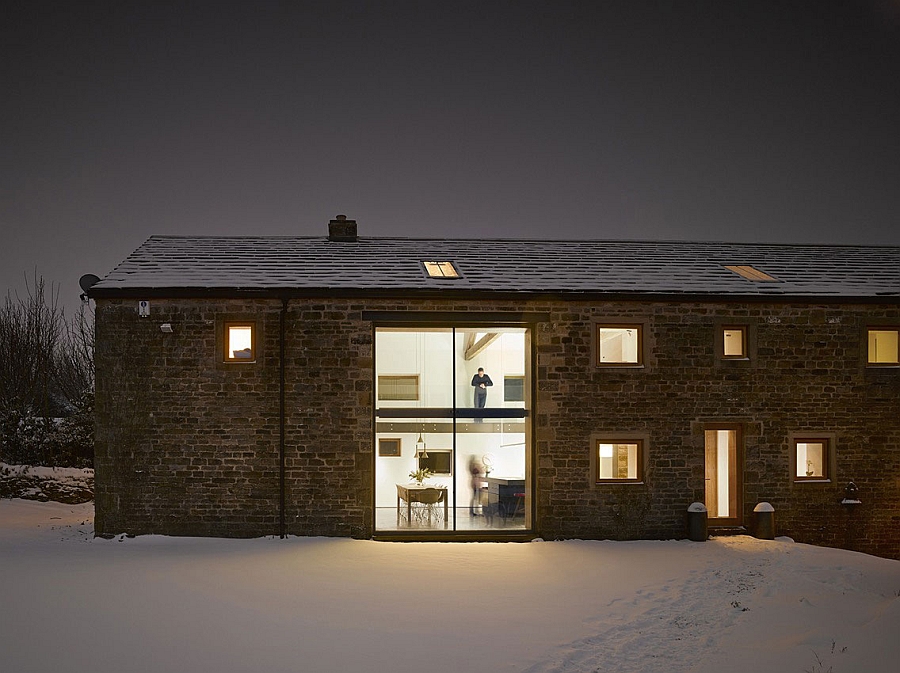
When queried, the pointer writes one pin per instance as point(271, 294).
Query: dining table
point(410, 493)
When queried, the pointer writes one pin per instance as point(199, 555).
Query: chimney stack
point(342, 229)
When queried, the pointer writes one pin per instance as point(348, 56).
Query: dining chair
point(425, 505)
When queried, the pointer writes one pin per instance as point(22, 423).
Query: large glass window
point(459, 458)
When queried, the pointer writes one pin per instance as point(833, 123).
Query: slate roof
point(269, 266)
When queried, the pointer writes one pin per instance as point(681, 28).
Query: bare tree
point(30, 332)
point(74, 371)
point(46, 373)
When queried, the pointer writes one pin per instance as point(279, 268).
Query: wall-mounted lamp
point(851, 495)
point(166, 328)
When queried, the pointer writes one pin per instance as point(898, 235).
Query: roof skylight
point(751, 273)
point(441, 270)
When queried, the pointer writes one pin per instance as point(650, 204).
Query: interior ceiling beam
point(474, 348)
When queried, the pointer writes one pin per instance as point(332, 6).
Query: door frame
point(735, 475)
point(456, 321)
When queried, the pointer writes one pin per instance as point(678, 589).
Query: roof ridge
point(604, 241)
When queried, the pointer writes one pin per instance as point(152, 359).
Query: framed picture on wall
point(389, 446)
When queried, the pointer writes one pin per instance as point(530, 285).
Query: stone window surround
point(730, 330)
point(884, 324)
point(830, 440)
point(640, 322)
point(750, 357)
point(221, 325)
point(643, 441)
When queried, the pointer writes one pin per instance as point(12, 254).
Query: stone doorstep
point(722, 531)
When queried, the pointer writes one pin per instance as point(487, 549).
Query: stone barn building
point(255, 386)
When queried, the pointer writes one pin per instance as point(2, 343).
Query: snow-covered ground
point(69, 602)
point(61, 484)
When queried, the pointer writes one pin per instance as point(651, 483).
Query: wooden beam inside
point(473, 348)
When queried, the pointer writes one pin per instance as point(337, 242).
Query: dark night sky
point(726, 120)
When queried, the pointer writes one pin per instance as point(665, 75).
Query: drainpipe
point(281, 407)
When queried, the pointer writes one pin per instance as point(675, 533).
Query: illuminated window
point(811, 459)
point(240, 342)
point(404, 387)
point(751, 273)
point(884, 346)
point(618, 460)
point(441, 270)
point(619, 345)
point(734, 342)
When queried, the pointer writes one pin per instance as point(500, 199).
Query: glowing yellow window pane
point(617, 461)
point(751, 273)
point(441, 269)
point(734, 342)
point(811, 459)
point(619, 345)
point(883, 347)
point(240, 342)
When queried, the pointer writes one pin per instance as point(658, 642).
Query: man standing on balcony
point(481, 382)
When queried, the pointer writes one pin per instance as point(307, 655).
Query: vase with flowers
point(421, 474)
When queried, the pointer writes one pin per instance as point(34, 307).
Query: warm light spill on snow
point(73, 603)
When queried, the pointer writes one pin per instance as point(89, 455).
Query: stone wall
point(185, 445)
point(189, 445)
point(807, 376)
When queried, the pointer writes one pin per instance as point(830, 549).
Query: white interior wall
point(504, 357)
point(428, 355)
point(722, 437)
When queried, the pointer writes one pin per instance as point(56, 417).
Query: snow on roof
point(265, 264)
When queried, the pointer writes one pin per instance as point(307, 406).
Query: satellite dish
point(87, 281)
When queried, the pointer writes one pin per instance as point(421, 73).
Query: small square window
point(619, 345)
point(389, 446)
point(240, 342)
point(811, 459)
point(884, 346)
point(441, 270)
point(439, 461)
point(618, 460)
point(734, 342)
point(513, 388)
